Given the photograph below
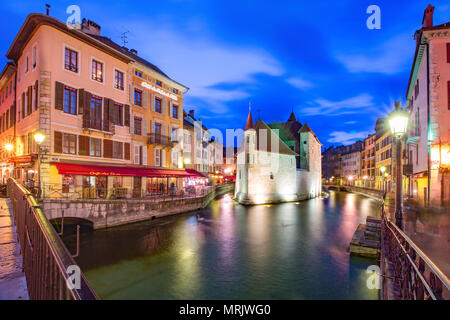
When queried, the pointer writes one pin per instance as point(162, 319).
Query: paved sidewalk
point(13, 284)
point(429, 229)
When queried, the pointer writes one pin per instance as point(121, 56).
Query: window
point(158, 104)
point(26, 65)
point(68, 183)
point(69, 143)
point(416, 89)
point(117, 150)
point(158, 157)
point(97, 71)
point(448, 52)
point(137, 126)
point(448, 94)
point(71, 60)
point(33, 57)
point(70, 100)
point(175, 91)
point(96, 147)
point(137, 154)
point(96, 113)
point(138, 97)
point(158, 83)
point(158, 128)
point(138, 73)
point(117, 182)
point(118, 115)
point(175, 111)
point(118, 79)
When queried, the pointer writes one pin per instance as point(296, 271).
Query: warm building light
point(382, 169)
point(39, 137)
point(350, 178)
point(365, 177)
point(9, 147)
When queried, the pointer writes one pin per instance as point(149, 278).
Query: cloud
point(299, 83)
point(389, 58)
point(201, 63)
point(347, 137)
point(350, 122)
point(335, 108)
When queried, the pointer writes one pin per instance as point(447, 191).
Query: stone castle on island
point(278, 162)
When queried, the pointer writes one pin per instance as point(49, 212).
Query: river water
point(229, 251)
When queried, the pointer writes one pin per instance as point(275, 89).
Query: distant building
point(351, 163)
point(428, 97)
point(267, 164)
point(383, 156)
point(368, 162)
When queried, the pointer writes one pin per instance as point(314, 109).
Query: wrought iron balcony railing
point(160, 140)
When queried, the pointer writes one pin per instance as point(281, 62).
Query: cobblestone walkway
point(13, 284)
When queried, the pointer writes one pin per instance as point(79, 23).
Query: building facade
point(368, 162)
point(428, 97)
point(110, 119)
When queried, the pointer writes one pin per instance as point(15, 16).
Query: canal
point(229, 251)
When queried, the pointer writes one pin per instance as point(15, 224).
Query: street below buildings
point(230, 251)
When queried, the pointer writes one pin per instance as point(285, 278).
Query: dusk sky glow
point(318, 59)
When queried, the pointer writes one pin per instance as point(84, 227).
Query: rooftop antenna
point(124, 38)
point(48, 9)
point(259, 114)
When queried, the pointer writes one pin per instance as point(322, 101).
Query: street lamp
point(9, 147)
point(398, 121)
point(39, 137)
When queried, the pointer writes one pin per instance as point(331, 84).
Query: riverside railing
point(50, 270)
point(415, 275)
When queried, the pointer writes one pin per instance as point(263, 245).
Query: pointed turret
point(305, 128)
point(292, 117)
point(249, 124)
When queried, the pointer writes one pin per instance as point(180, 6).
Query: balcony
point(105, 126)
point(159, 140)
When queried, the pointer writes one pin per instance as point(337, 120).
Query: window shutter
point(144, 155)
point(58, 142)
point(131, 94)
point(153, 102)
point(448, 94)
point(448, 52)
point(170, 132)
point(30, 100)
point(127, 151)
point(59, 96)
point(152, 129)
point(170, 109)
point(81, 101)
point(83, 145)
point(144, 127)
point(163, 158)
point(23, 105)
point(180, 112)
point(106, 114)
point(163, 130)
point(13, 114)
point(145, 99)
point(36, 95)
point(140, 155)
point(131, 124)
point(127, 115)
point(107, 148)
point(86, 111)
point(164, 106)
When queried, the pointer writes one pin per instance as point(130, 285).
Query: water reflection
point(229, 251)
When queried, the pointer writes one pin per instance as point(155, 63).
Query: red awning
point(230, 178)
point(94, 170)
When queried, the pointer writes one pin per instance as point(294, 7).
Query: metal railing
point(416, 276)
point(46, 260)
point(78, 192)
point(161, 140)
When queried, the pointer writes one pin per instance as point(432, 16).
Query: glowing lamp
point(382, 169)
point(398, 121)
point(9, 147)
point(39, 137)
point(365, 177)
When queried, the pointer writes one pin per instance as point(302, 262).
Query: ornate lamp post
point(39, 137)
point(398, 121)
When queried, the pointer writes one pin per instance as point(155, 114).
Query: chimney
point(427, 20)
point(48, 9)
point(90, 27)
point(133, 51)
point(191, 113)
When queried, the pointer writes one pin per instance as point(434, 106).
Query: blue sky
point(318, 59)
